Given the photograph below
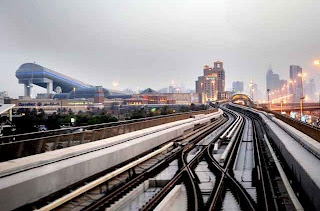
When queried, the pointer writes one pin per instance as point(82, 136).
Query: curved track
point(199, 147)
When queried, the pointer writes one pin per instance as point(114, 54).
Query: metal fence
point(310, 130)
point(33, 135)
point(15, 149)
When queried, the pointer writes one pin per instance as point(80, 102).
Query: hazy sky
point(149, 43)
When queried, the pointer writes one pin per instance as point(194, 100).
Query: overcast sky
point(149, 43)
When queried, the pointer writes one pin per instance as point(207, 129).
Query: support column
point(49, 88)
point(10, 115)
point(27, 90)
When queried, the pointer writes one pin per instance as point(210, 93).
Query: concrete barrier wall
point(312, 131)
point(26, 147)
point(53, 177)
point(303, 166)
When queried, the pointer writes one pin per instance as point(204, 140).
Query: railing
point(33, 135)
point(22, 148)
point(310, 130)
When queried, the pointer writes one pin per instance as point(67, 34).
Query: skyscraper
point(310, 90)
point(221, 78)
point(211, 86)
point(237, 86)
point(273, 80)
point(296, 88)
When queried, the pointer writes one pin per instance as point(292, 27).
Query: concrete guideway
point(299, 151)
point(174, 200)
point(284, 178)
point(103, 179)
point(197, 163)
point(59, 169)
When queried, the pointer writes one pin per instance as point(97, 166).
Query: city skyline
point(121, 41)
point(159, 105)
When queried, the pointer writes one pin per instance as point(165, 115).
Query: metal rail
point(260, 168)
point(101, 180)
point(226, 177)
point(113, 195)
point(187, 172)
point(270, 202)
point(310, 130)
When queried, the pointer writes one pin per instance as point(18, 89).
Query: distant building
point(211, 86)
point(3, 97)
point(237, 86)
point(174, 89)
point(183, 98)
point(128, 91)
point(310, 90)
point(256, 94)
point(163, 90)
point(99, 95)
point(273, 80)
point(206, 88)
point(4, 94)
point(149, 96)
point(296, 87)
point(278, 89)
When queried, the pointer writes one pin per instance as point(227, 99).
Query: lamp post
point(268, 90)
point(74, 99)
point(281, 106)
point(319, 105)
point(301, 75)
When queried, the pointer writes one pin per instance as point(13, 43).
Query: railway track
point(108, 199)
point(212, 149)
point(187, 174)
point(277, 190)
point(101, 193)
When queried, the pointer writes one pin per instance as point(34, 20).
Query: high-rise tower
point(221, 78)
point(211, 86)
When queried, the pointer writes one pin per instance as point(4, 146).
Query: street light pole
point(302, 97)
point(300, 108)
point(268, 90)
point(319, 105)
point(74, 99)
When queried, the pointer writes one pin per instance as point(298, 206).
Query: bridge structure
point(242, 98)
point(64, 87)
point(310, 107)
point(31, 73)
point(218, 159)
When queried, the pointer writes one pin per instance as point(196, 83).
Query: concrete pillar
point(49, 87)
point(27, 90)
point(10, 115)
